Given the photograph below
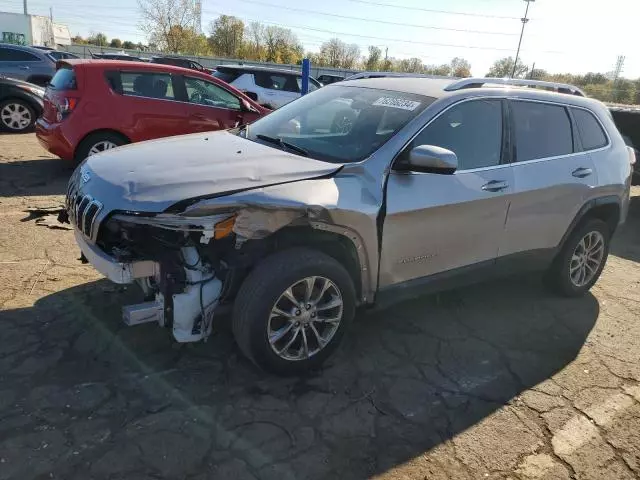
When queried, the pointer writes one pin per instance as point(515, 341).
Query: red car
point(95, 105)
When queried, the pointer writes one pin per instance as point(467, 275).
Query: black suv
point(181, 62)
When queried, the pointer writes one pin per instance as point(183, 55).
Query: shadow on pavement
point(119, 402)
point(626, 241)
point(43, 176)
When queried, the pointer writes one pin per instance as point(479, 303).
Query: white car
point(269, 87)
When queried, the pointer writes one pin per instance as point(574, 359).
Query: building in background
point(36, 30)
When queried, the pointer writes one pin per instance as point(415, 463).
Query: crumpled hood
point(152, 176)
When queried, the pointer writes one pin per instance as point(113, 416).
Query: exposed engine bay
point(186, 267)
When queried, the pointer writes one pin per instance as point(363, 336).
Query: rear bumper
point(108, 266)
point(52, 138)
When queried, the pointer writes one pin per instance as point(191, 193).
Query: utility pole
point(533, 67)
point(53, 34)
point(386, 55)
point(524, 21)
point(24, 3)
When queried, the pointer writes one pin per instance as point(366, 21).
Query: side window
point(472, 130)
point(210, 94)
point(589, 129)
point(312, 86)
point(147, 84)
point(542, 130)
point(13, 55)
point(276, 81)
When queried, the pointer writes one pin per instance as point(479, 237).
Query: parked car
point(270, 87)
point(20, 104)
point(26, 63)
point(329, 79)
point(362, 75)
point(56, 55)
point(182, 62)
point(436, 183)
point(627, 119)
point(96, 105)
point(116, 56)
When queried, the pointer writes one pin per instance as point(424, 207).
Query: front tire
point(293, 310)
point(582, 258)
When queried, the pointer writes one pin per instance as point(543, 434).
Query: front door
point(440, 222)
point(553, 174)
point(211, 107)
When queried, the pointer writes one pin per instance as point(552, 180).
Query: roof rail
point(520, 82)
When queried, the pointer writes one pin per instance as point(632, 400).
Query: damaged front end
point(186, 266)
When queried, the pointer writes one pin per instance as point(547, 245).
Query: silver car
point(30, 64)
point(295, 221)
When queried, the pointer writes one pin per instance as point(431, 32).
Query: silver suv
point(301, 217)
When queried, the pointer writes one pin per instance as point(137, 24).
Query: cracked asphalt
point(495, 381)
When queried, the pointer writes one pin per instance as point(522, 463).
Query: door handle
point(495, 186)
point(582, 172)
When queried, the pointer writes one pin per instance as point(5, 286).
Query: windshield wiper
point(283, 144)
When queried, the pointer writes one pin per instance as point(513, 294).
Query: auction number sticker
point(392, 102)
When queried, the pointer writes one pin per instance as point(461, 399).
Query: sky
point(574, 36)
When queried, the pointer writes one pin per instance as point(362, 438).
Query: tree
point(282, 45)
point(128, 45)
point(78, 40)
point(164, 21)
point(254, 41)
point(410, 65)
point(504, 67)
point(226, 36)
point(460, 67)
point(115, 43)
point(372, 62)
point(99, 39)
point(336, 53)
point(443, 70)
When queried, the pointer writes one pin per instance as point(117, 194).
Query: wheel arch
point(608, 209)
point(112, 131)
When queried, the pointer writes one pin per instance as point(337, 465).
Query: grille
point(82, 209)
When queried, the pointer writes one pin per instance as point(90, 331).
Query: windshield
point(339, 123)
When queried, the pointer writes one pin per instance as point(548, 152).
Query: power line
point(427, 27)
point(444, 12)
point(386, 39)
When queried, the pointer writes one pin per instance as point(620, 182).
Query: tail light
point(632, 155)
point(65, 106)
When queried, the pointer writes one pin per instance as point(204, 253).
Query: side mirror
point(247, 107)
point(429, 158)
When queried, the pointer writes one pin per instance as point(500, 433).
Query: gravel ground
point(500, 380)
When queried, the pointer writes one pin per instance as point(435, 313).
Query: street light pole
point(524, 21)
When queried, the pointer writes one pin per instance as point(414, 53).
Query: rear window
point(542, 130)
point(591, 133)
point(277, 81)
point(15, 55)
point(142, 84)
point(227, 75)
point(64, 79)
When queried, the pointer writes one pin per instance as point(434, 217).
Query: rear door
point(553, 177)
point(441, 222)
point(211, 107)
point(148, 104)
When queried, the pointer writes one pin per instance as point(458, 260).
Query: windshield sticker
point(392, 102)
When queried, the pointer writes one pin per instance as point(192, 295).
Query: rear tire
point(16, 116)
point(99, 142)
point(259, 331)
point(581, 261)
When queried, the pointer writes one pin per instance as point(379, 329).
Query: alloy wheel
point(305, 318)
point(15, 116)
point(101, 147)
point(586, 259)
